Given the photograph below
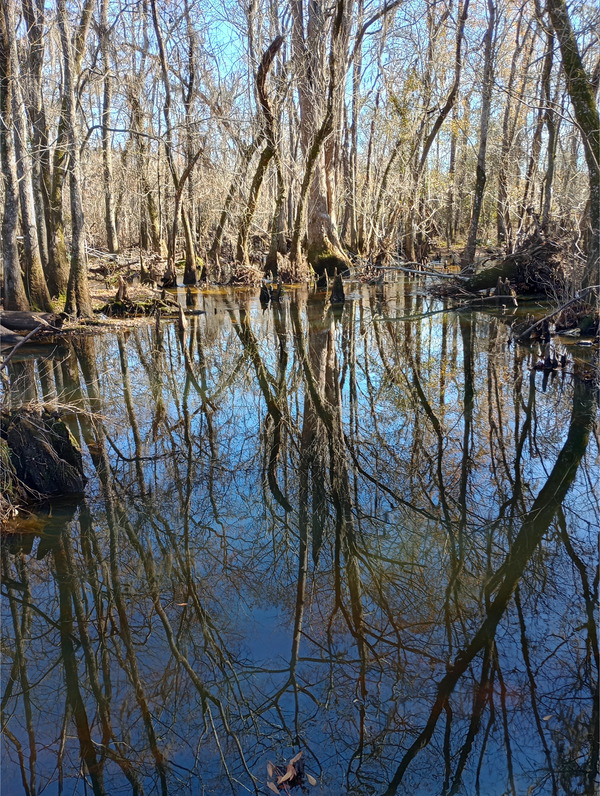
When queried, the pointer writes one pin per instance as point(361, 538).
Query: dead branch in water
point(533, 326)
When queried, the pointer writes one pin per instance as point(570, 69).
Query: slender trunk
point(503, 223)
point(78, 297)
point(267, 154)
point(486, 101)
point(35, 19)
point(246, 157)
point(190, 276)
point(15, 297)
point(112, 240)
point(244, 230)
point(59, 277)
point(35, 283)
point(552, 128)
point(536, 144)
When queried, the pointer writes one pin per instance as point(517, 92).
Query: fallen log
point(21, 341)
point(21, 321)
point(8, 337)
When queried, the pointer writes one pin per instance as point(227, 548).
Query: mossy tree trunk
point(585, 106)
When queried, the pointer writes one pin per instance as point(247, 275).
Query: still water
point(369, 535)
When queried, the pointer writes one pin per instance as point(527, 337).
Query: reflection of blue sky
point(243, 561)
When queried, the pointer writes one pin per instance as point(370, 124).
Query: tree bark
point(15, 297)
point(60, 274)
point(314, 82)
point(78, 296)
point(112, 241)
point(486, 101)
point(585, 106)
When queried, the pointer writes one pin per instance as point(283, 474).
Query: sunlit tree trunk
point(60, 271)
point(35, 282)
point(317, 83)
point(486, 102)
point(15, 297)
point(112, 241)
point(510, 119)
point(31, 89)
point(78, 296)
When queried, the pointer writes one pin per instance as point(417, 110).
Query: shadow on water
point(343, 532)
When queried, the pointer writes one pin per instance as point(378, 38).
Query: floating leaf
point(311, 780)
point(289, 774)
point(270, 769)
point(296, 758)
point(546, 718)
point(273, 787)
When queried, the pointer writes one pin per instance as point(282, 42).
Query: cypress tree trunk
point(78, 297)
point(14, 290)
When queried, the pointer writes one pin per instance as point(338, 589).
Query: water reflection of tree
point(400, 523)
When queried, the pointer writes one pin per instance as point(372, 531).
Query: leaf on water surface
point(273, 787)
point(311, 780)
point(270, 769)
point(296, 758)
point(289, 774)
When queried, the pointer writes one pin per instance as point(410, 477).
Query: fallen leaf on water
point(289, 774)
point(547, 717)
point(296, 758)
point(273, 787)
point(270, 769)
point(311, 780)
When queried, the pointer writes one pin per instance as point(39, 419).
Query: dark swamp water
point(369, 539)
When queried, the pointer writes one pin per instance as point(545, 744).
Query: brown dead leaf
point(296, 758)
point(273, 787)
point(290, 773)
point(270, 769)
point(311, 780)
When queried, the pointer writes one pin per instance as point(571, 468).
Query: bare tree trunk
point(486, 101)
point(585, 106)
point(247, 154)
point(190, 275)
point(267, 154)
point(552, 124)
point(35, 18)
point(324, 247)
point(35, 282)
point(15, 297)
point(60, 274)
point(503, 220)
point(170, 277)
point(536, 145)
point(112, 240)
point(78, 296)
point(142, 160)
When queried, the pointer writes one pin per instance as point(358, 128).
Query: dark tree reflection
point(369, 534)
